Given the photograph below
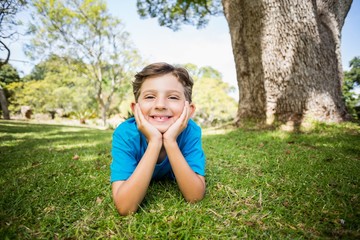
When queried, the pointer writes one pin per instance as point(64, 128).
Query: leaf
point(76, 157)
point(286, 204)
point(99, 200)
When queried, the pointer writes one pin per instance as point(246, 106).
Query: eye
point(149, 97)
point(174, 97)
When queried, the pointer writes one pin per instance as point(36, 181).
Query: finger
point(188, 113)
point(138, 116)
point(142, 120)
point(141, 117)
point(185, 114)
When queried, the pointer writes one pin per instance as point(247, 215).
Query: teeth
point(160, 118)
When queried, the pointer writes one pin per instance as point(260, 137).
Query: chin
point(162, 129)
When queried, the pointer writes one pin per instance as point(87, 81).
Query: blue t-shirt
point(129, 145)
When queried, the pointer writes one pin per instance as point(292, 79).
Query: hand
point(150, 132)
point(179, 125)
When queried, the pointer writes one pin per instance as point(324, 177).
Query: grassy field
point(260, 185)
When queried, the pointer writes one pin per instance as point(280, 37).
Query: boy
point(160, 141)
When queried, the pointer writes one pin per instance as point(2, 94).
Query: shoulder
point(191, 131)
point(192, 126)
point(127, 128)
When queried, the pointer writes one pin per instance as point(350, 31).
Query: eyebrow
point(168, 91)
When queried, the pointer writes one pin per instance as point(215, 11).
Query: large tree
point(84, 30)
point(287, 53)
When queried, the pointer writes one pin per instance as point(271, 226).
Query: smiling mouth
point(160, 118)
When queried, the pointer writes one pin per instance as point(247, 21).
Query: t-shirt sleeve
point(123, 154)
point(192, 149)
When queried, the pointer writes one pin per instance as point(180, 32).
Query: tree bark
point(288, 62)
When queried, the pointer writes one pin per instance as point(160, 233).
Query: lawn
point(261, 184)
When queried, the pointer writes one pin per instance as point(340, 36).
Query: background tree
point(8, 23)
point(351, 82)
point(8, 75)
point(286, 53)
point(54, 86)
point(84, 30)
point(211, 94)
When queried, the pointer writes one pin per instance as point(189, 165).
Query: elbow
point(125, 211)
point(196, 195)
point(195, 199)
point(124, 207)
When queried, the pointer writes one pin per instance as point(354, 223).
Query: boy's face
point(162, 101)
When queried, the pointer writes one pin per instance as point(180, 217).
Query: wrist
point(169, 142)
point(155, 137)
point(155, 142)
point(169, 137)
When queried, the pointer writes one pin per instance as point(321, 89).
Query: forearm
point(131, 192)
point(191, 185)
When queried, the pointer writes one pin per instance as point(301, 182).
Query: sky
point(210, 46)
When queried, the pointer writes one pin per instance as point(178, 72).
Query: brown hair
point(161, 68)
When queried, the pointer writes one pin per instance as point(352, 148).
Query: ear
point(132, 106)
point(192, 109)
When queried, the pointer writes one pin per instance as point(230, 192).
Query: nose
point(160, 103)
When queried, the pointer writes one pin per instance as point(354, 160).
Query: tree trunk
point(103, 114)
point(102, 105)
point(287, 56)
point(4, 104)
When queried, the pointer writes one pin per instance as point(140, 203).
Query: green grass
point(260, 185)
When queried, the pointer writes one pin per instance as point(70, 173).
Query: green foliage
point(84, 30)
point(260, 185)
point(59, 87)
point(39, 71)
point(174, 13)
point(8, 74)
point(8, 24)
point(214, 105)
point(352, 81)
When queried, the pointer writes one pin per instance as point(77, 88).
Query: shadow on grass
point(293, 185)
point(260, 185)
point(51, 175)
point(23, 127)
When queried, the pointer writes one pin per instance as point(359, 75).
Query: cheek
point(145, 109)
point(144, 106)
point(178, 109)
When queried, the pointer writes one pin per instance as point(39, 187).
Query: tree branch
point(8, 54)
